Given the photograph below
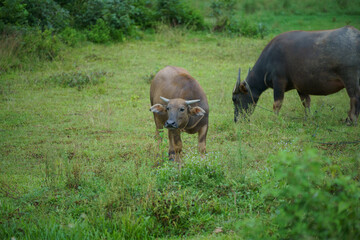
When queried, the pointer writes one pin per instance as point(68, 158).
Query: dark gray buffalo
point(180, 105)
point(313, 63)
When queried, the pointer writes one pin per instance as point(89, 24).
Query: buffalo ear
point(243, 88)
point(198, 111)
point(158, 108)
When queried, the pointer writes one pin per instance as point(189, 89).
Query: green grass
point(80, 162)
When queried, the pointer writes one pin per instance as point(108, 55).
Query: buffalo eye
point(182, 109)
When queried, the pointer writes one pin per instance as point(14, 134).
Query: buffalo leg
point(354, 109)
point(175, 145)
point(202, 139)
point(279, 89)
point(354, 94)
point(305, 99)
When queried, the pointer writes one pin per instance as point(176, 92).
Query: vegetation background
point(78, 158)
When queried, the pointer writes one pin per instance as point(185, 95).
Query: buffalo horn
point(238, 78)
point(237, 82)
point(165, 99)
point(188, 102)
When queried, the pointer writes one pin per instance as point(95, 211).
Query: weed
point(78, 79)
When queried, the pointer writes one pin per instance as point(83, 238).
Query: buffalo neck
point(256, 82)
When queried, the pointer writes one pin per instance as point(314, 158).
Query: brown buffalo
point(180, 105)
point(313, 63)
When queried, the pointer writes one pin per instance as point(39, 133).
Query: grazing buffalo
point(313, 63)
point(180, 105)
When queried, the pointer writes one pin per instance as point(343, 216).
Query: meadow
point(78, 157)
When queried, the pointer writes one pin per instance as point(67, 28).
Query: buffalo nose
point(171, 124)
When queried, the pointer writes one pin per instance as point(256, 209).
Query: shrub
point(223, 11)
point(46, 14)
point(100, 32)
point(10, 45)
point(176, 12)
point(13, 12)
point(43, 45)
point(86, 13)
point(71, 37)
point(310, 204)
point(19, 49)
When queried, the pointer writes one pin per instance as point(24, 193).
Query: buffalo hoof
point(350, 122)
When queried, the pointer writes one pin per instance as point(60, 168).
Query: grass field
point(78, 158)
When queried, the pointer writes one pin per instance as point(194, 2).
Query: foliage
point(224, 13)
point(18, 49)
point(41, 44)
point(46, 14)
point(71, 36)
point(309, 202)
point(13, 12)
point(100, 32)
point(9, 51)
point(222, 10)
point(177, 12)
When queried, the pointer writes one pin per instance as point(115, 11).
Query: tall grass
point(10, 45)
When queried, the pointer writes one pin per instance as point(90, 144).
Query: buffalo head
point(243, 98)
point(179, 112)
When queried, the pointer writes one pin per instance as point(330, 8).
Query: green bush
point(223, 11)
point(13, 12)
point(177, 12)
point(20, 49)
point(43, 45)
point(100, 32)
point(309, 202)
point(10, 48)
point(46, 14)
point(71, 37)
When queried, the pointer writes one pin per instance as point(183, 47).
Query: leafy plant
point(223, 11)
point(100, 32)
point(177, 12)
point(13, 12)
point(309, 203)
point(46, 14)
point(41, 44)
point(71, 37)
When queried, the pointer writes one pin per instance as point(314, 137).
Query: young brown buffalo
point(180, 105)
